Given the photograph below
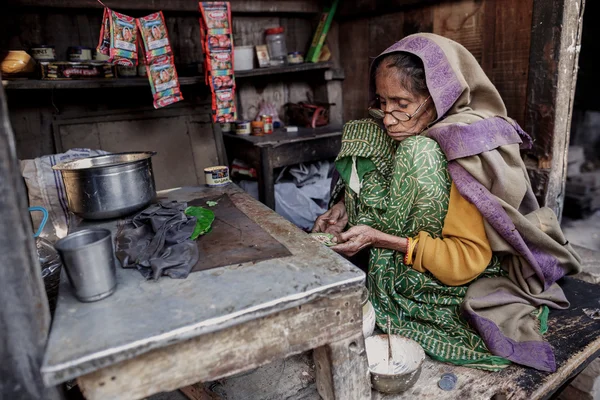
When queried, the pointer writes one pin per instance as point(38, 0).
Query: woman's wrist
point(391, 242)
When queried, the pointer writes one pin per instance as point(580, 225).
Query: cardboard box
point(77, 70)
point(321, 33)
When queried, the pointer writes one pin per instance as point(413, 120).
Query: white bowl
point(403, 370)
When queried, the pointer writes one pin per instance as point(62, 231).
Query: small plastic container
point(275, 38)
point(244, 58)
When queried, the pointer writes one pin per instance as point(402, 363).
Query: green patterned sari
point(402, 189)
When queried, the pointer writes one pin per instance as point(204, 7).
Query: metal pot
point(108, 186)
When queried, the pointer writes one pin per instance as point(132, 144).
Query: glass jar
point(275, 38)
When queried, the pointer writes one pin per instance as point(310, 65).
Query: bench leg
point(342, 370)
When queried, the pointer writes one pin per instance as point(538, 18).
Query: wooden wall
point(498, 33)
point(37, 114)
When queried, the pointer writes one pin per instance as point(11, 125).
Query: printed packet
point(123, 36)
point(164, 81)
point(154, 35)
point(104, 42)
point(215, 15)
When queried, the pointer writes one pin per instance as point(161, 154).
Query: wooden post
point(24, 315)
point(342, 370)
point(555, 45)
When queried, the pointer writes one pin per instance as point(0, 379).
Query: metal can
point(42, 52)
point(217, 176)
point(242, 127)
point(257, 128)
point(126, 72)
point(225, 127)
point(268, 124)
point(295, 58)
point(99, 56)
point(79, 53)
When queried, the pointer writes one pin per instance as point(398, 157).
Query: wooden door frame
point(24, 307)
point(553, 63)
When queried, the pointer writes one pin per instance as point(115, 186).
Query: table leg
point(342, 370)
point(266, 185)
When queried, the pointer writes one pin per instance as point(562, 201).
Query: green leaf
point(211, 203)
point(204, 220)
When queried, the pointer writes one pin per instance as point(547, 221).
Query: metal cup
point(88, 258)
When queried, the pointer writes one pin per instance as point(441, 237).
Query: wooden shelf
point(280, 136)
point(237, 6)
point(133, 82)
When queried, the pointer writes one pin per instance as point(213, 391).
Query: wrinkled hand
point(333, 221)
point(356, 239)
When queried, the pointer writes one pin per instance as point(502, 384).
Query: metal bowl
point(108, 186)
point(405, 368)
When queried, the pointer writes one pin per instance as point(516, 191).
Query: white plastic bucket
point(243, 58)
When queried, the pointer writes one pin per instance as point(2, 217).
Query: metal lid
point(106, 160)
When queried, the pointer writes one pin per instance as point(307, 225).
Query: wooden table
point(280, 149)
point(150, 337)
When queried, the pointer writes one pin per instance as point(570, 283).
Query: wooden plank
point(197, 392)
point(511, 54)
point(266, 177)
point(24, 313)
point(461, 21)
point(573, 335)
point(489, 36)
point(555, 46)
point(384, 31)
point(33, 84)
point(240, 348)
point(418, 20)
point(371, 8)
point(241, 6)
point(342, 370)
point(307, 151)
point(355, 58)
point(206, 150)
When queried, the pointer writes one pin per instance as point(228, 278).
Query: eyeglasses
point(397, 114)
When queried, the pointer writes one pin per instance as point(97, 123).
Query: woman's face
point(393, 96)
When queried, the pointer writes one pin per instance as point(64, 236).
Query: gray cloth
point(157, 242)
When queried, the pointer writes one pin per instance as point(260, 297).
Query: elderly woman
point(462, 259)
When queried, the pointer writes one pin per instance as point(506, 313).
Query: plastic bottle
point(275, 38)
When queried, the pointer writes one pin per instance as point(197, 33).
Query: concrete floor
point(583, 232)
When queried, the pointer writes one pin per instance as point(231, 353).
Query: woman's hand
point(362, 236)
point(357, 238)
point(333, 221)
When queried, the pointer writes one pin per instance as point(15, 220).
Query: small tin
point(217, 176)
point(242, 127)
point(257, 128)
point(295, 58)
point(79, 53)
point(42, 52)
point(268, 124)
point(126, 71)
point(226, 127)
point(99, 56)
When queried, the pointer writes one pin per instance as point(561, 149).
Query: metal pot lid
point(102, 161)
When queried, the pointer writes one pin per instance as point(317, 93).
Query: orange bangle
point(409, 255)
point(406, 253)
